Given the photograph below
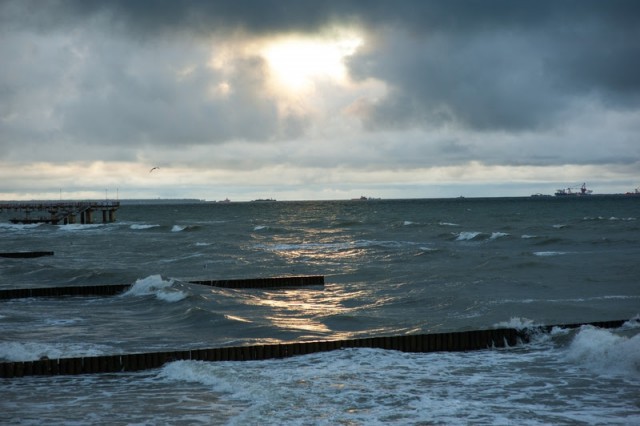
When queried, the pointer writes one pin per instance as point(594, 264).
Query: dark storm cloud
point(517, 66)
point(481, 65)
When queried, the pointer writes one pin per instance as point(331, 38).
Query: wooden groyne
point(423, 343)
point(26, 254)
point(62, 212)
point(87, 290)
point(113, 289)
point(299, 281)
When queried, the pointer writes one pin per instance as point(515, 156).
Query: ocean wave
point(447, 224)
point(18, 226)
point(475, 235)
point(496, 235)
point(359, 378)
point(467, 236)
point(73, 227)
point(549, 253)
point(517, 323)
point(340, 246)
point(136, 226)
point(155, 285)
point(30, 351)
point(605, 353)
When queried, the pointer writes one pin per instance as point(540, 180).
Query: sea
point(391, 267)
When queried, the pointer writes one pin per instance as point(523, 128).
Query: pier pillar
point(87, 216)
point(104, 216)
point(112, 215)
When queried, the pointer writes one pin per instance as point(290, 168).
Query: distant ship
point(569, 193)
point(363, 198)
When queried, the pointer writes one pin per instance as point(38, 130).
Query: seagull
point(156, 167)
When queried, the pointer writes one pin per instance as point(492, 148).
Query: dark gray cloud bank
point(88, 74)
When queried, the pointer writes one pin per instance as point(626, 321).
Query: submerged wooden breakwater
point(438, 342)
point(26, 254)
point(113, 289)
point(300, 281)
point(450, 342)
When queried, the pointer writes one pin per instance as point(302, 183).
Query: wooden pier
point(62, 212)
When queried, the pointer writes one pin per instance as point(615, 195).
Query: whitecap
point(142, 226)
point(466, 236)
point(496, 235)
point(517, 323)
point(549, 253)
point(178, 228)
point(260, 227)
point(447, 224)
point(605, 353)
point(155, 285)
point(80, 227)
point(18, 227)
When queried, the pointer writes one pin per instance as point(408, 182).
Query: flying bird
point(156, 167)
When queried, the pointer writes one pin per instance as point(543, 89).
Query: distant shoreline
point(160, 201)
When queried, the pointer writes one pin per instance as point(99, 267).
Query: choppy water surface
point(391, 267)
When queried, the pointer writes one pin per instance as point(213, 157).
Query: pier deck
point(62, 212)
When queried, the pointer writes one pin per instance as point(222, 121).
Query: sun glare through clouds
point(295, 63)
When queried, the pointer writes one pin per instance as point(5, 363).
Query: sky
point(317, 100)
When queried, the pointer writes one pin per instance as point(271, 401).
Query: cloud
point(433, 84)
point(506, 75)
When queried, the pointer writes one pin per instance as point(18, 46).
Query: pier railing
point(65, 212)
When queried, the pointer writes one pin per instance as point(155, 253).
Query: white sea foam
point(447, 224)
point(467, 236)
point(496, 235)
point(155, 285)
point(517, 323)
point(606, 353)
point(526, 236)
point(372, 386)
point(178, 228)
point(549, 253)
point(136, 226)
point(18, 226)
point(73, 227)
point(633, 323)
point(260, 227)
